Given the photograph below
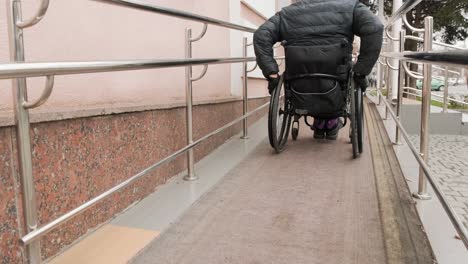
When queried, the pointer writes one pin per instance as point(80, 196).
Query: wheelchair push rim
point(279, 118)
point(356, 114)
point(360, 119)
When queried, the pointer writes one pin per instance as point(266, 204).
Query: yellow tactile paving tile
point(110, 244)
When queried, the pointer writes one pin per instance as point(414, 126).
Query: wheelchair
point(335, 95)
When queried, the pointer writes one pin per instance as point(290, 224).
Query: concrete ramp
point(311, 204)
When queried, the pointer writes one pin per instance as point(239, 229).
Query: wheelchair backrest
point(319, 60)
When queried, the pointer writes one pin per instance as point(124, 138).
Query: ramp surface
point(311, 204)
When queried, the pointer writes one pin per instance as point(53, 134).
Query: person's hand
point(361, 81)
point(273, 81)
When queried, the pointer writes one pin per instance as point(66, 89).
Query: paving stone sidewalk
point(448, 159)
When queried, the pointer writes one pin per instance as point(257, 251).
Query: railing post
point(33, 251)
point(245, 101)
point(425, 111)
point(379, 81)
point(380, 68)
point(189, 114)
point(446, 88)
point(389, 90)
point(401, 82)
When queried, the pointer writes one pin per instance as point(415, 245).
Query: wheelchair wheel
point(359, 118)
point(279, 118)
point(295, 130)
point(354, 122)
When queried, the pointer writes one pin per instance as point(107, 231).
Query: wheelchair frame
point(282, 111)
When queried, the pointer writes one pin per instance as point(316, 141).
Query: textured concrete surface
point(310, 204)
point(448, 160)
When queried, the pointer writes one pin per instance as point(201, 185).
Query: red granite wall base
point(76, 160)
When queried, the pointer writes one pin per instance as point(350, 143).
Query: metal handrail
point(22, 70)
point(41, 231)
point(40, 13)
point(389, 36)
point(433, 94)
point(390, 66)
point(44, 96)
point(202, 33)
point(461, 230)
point(407, 6)
point(450, 58)
point(435, 42)
point(37, 69)
point(458, 57)
point(202, 74)
point(382, 63)
point(410, 27)
point(442, 69)
point(411, 73)
point(142, 5)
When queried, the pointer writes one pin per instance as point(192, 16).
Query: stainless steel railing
point(19, 71)
point(428, 57)
point(416, 92)
point(405, 8)
point(142, 5)
point(22, 70)
point(37, 69)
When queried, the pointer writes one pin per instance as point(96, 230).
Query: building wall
point(88, 30)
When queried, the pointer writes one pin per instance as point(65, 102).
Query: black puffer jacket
point(320, 22)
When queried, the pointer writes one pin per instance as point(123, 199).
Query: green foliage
point(450, 17)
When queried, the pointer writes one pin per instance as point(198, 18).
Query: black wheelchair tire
point(354, 124)
point(294, 132)
point(359, 118)
point(278, 140)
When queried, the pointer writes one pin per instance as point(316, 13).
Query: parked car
point(436, 84)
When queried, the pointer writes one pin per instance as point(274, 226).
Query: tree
point(450, 21)
point(450, 17)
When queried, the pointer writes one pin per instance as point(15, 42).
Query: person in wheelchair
point(318, 36)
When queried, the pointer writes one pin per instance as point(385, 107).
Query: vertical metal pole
point(33, 251)
point(446, 88)
point(389, 90)
point(426, 110)
point(401, 83)
point(396, 28)
point(381, 10)
point(189, 115)
point(380, 67)
point(380, 81)
point(245, 90)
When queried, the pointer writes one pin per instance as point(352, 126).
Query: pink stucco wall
point(87, 30)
